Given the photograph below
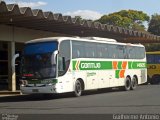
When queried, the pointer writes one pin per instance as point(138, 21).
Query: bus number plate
point(35, 90)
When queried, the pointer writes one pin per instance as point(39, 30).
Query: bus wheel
point(127, 85)
point(155, 79)
point(78, 88)
point(134, 83)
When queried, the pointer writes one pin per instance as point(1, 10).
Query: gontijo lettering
point(90, 65)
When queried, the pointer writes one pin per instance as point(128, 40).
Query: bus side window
point(131, 52)
point(64, 57)
point(114, 56)
point(78, 49)
point(61, 64)
point(91, 50)
point(157, 59)
point(113, 51)
point(120, 51)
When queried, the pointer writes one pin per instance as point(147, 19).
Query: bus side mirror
point(14, 60)
point(53, 57)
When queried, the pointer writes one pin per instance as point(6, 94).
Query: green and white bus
point(73, 64)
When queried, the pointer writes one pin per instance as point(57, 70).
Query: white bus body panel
point(93, 79)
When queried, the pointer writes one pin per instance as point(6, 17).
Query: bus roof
point(100, 39)
point(90, 39)
point(153, 52)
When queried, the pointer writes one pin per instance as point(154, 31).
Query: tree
point(152, 47)
point(130, 19)
point(154, 24)
point(78, 17)
point(154, 28)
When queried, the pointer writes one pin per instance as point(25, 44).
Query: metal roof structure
point(13, 15)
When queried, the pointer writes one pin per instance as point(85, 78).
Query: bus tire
point(156, 79)
point(77, 89)
point(134, 83)
point(127, 85)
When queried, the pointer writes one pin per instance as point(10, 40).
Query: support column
point(11, 69)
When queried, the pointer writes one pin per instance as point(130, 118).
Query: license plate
point(35, 90)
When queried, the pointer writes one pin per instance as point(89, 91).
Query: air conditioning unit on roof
point(101, 39)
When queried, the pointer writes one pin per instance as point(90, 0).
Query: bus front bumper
point(38, 89)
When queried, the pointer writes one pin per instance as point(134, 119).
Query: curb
point(8, 93)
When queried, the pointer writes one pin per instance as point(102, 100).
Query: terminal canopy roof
point(12, 14)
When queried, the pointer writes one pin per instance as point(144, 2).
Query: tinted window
point(78, 49)
point(140, 53)
point(91, 50)
point(64, 50)
point(65, 53)
point(121, 51)
point(157, 58)
point(102, 50)
point(113, 52)
point(150, 58)
point(40, 48)
point(135, 52)
point(153, 59)
point(87, 50)
point(131, 53)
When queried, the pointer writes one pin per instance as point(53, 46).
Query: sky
point(90, 9)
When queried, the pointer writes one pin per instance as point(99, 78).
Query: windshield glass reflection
point(38, 60)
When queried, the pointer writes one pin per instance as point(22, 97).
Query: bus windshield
point(38, 59)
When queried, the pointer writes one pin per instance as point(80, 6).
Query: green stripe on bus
point(74, 65)
point(129, 65)
point(120, 65)
point(104, 65)
point(136, 65)
point(92, 65)
point(117, 73)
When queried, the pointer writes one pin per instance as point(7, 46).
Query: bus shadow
point(102, 91)
point(36, 97)
point(45, 97)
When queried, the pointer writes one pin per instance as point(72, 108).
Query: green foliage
point(154, 28)
point(152, 47)
point(78, 17)
point(154, 24)
point(130, 19)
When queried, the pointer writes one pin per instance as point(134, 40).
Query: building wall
point(10, 33)
point(12, 40)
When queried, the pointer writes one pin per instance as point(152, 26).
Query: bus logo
point(91, 65)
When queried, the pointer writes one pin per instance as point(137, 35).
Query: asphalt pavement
point(144, 100)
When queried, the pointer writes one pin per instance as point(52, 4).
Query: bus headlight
point(23, 82)
point(50, 84)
